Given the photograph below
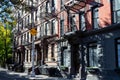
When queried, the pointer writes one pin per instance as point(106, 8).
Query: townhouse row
point(82, 36)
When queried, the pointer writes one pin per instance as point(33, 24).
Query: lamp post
point(33, 33)
point(33, 73)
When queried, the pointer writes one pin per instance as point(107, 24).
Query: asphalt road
point(4, 75)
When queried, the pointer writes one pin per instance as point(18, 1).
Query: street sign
point(33, 31)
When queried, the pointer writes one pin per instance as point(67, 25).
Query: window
point(52, 5)
point(62, 4)
point(53, 27)
point(99, 1)
point(36, 16)
point(27, 55)
point(32, 18)
point(28, 21)
point(47, 29)
point(116, 11)
point(31, 37)
point(92, 56)
point(73, 26)
point(117, 2)
point(95, 18)
point(27, 36)
point(48, 6)
point(22, 24)
point(52, 50)
point(82, 25)
point(41, 30)
point(118, 53)
point(18, 15)
point(25, 22)
point(21, 39)
point(30, 54)
point(61, 27)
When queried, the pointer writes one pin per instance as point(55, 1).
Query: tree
point(7, 19)
point(7, 8)
point(5, 43)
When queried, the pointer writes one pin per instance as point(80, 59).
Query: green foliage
point(7, 19)
point(8, 7)
point(5, 38)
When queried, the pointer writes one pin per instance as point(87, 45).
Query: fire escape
point(75, 38)
point(48, 12)
point(75, 7)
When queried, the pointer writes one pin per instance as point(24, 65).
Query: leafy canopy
point(5, 42)
point(8, 7)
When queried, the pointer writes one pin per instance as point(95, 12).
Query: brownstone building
point(81, 35)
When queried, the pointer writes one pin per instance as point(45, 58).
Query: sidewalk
point(14, 73)
point(37, 77)
point(25, 75)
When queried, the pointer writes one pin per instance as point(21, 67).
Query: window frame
point(48, 9)
point(117, 53)
point(47, 30)
point(115, 11)
point(62, 27)
point(92, 45)
point(62, 4)
point(82, 21)
point(73, 26)
point(53, 27)
point(53, 6)
point(95, 17)
point(52, 50)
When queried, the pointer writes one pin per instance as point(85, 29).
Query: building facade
point(81, 35)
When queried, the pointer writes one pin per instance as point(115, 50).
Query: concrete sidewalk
point(17, 73)
point(37, 77)
point(25, 75)
point(10, 75)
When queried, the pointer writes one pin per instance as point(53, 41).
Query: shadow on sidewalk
point(10, 75)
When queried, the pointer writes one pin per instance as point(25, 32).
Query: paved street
point(8, 75)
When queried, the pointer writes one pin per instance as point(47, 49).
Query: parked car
point(50, 71)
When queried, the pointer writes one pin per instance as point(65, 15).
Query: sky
point(5, 5)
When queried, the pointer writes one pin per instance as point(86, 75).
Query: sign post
point(33, 33)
